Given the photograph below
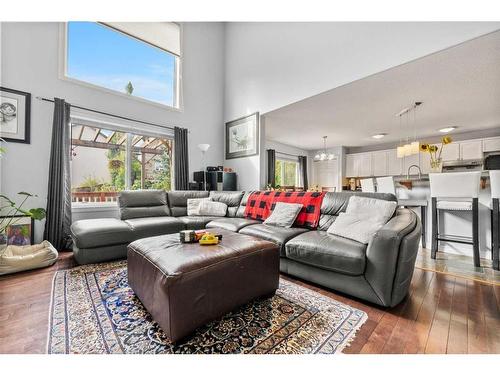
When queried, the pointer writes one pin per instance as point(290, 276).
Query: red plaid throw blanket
point(261, 203)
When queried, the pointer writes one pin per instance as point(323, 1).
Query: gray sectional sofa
point(379, 272)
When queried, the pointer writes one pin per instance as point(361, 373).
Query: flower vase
point(437, 165)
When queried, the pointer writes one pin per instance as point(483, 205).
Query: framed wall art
point(19, 230)
point(15, 112)
point(242, 137)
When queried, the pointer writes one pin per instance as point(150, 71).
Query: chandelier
point(323, 154)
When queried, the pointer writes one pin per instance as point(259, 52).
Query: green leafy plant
point(9, 210)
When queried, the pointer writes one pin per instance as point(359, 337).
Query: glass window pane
point(97, 164)
point(151, 163)
point(105, 57)
point(290, 173)
point(277, 173)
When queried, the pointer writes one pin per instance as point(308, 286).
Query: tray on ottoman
point(184, 286)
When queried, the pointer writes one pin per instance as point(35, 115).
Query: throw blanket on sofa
point(260, 204)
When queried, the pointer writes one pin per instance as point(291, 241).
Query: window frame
point(63, 68)
point(128, 127)
point(282, 171)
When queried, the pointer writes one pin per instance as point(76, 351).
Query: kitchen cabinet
point(364, 164)
point(491, 144)
point(471, 149)
point(450, 152)
point(379, 163)
point(350, 166)
point(358, 165)
point(394, 164)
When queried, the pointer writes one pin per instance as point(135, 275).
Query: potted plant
point(435, 152)
point(10, 212)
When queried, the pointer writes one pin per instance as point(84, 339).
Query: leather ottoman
point(185, 286)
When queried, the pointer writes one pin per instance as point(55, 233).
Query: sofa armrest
point(391, 255)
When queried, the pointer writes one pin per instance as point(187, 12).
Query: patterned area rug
point(95, 311)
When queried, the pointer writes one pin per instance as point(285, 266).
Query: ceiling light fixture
point(324, 154)
point(447, 130)
point(413, 147)
point(378, 136)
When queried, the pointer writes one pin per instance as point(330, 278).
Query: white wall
point(270, 65)
point(29, 62)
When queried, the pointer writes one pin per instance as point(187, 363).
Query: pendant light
point(324, 154)
point(408, 148)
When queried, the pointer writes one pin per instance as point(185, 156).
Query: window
point(133, 58)
point(106, 161)
point(286, 173)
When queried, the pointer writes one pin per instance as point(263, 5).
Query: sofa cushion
point(241, 209)
point(211, 208)
point(142, 203)
point(283, 214)
point(328, 251)
point(335, 203)
point(155, 226)
point(177, 200)
point(196, 222)
point(101, 232)
point(231, 198)
point(231, 223)
point(277, 235)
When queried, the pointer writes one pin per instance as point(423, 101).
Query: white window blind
point(164, 35)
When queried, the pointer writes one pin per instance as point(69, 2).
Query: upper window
point(133, 58)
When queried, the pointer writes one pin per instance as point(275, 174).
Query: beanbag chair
point(22, 258)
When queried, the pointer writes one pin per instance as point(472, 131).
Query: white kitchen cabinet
point(394, 164)
point(450, 152)
point(471, 149)
point(350, 166)
point(491, 144)
point(364, 164)
point(379, 163)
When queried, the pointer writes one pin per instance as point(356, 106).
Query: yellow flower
point(424, 147)
point(433, 148)
point(446, 140)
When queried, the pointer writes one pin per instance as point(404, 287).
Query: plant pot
point(437, 166)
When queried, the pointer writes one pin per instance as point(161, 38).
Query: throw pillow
point(284, 214)
point(211, 208)
point(363, 218)
point(193, 206)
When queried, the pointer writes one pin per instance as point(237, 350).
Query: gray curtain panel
point(181, 168)
point(271, 167)
point(58, 221)
point(303, 171)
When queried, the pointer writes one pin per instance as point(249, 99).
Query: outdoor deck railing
point(94, 196)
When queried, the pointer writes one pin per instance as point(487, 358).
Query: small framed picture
point(15, 113)
point(242, 137)
point(19, 232)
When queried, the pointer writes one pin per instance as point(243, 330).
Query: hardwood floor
point(442, 314)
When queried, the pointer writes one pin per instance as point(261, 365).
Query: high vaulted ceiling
point(459, 86)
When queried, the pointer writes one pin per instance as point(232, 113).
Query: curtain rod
point(109, 114)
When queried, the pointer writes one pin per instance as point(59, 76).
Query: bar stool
point(367, 185)
point(386, 185)
point(495, 219)
point(455, 192)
